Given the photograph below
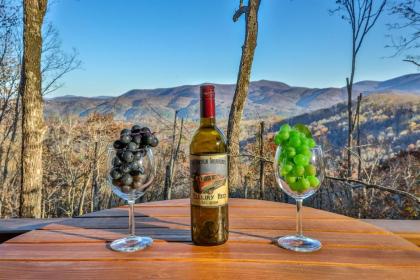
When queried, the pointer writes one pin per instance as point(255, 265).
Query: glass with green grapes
point(299, 171)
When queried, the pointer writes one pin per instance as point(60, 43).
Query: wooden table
point(77, 248)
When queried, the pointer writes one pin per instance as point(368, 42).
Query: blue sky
point(163, 43)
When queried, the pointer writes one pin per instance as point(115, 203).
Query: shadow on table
point(109, 228)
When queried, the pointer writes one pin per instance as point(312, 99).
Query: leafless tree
point(408, 16)
point(9, 100)
point(242, 85)
point(55, 62)
point(174, 153)
point(362, 15)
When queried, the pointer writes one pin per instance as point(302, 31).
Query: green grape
point(290, 151)
point(304, 183)
point(290, 179)
point(302, 149)
point(304, 140)
point(283, 135)
point(287, 167)
point(295, 186)
point(299, 170)
point(289, 162)
point(311, 143)
point(294, 141)
point(313, 181)
point(277, 139)
point(300, 160)
point(294, 133)
point(310, 170)
point(285, 128)
point(307, 154)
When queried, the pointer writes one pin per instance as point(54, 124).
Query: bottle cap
point(207, 101)
point(207, 91)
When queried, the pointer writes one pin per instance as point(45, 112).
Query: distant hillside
point(265, 98)
point(388, 122)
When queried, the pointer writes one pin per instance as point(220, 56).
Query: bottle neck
point(207, 111)
point(207, 122)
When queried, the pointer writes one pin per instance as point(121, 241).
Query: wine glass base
point(299, 243)
point(131, 243)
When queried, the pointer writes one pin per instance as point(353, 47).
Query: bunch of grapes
point(130, 149)
point(295, 158)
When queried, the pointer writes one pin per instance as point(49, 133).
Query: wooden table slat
point(245, 252)
point(198, 270)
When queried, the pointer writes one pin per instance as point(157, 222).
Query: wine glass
point(294, 187)
point(133, 181)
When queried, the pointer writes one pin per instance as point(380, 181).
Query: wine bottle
point(208, 173)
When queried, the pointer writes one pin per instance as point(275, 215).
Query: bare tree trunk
point(242, 86)
point(365, 204)
point(168, 174)
point(362, 17)
point(350, 128)
point(349, 86)
point(359, 149)
point(82, 198)
point(262, 161)
point(72, 196)
point(95, 187)
point(175, 158)
point(166, 190)
point(33, 127)
point(246, 187)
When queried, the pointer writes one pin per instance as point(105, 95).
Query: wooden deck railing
point(10, 228)
point(407, 229)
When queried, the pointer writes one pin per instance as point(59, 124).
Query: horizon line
point(224, 84)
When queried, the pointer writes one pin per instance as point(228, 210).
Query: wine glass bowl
point(136, 181)
point(129, 176)
point(299, 178)
point(291, 186)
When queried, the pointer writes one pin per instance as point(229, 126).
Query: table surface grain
point(78, 248)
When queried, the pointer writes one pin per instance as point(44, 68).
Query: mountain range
point(265, 98)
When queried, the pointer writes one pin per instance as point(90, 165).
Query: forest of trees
point(56, 166)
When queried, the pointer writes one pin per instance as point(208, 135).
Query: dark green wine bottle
point(208, 170)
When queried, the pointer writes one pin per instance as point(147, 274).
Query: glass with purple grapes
point(131, 172)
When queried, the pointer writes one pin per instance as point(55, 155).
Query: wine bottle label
point(209, 185)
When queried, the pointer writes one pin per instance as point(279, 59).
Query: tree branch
point(412, 61)
point(239, 12)
point(373, 186)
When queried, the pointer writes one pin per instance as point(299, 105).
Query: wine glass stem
point(131, 221)
point(299, 217)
